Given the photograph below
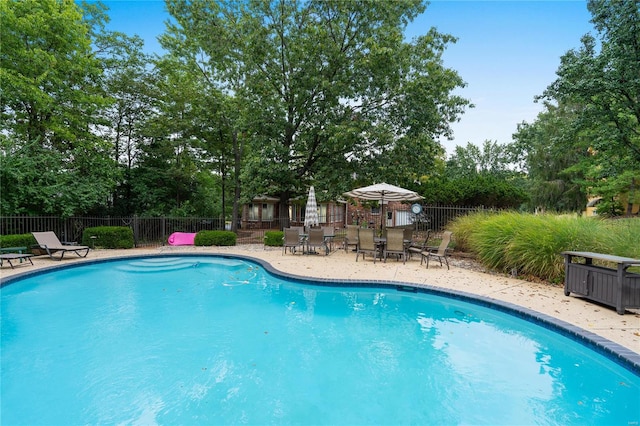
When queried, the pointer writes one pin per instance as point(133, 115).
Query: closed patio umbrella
point(311, 210)
point(383, 192)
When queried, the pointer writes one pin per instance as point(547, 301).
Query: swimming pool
point(220, 340)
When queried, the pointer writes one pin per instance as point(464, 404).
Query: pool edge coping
point(612, 350)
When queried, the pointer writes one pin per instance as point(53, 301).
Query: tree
point(605, 83)
point(476, 176)
point(52, 162)
point(128, 82)
point(552, 151)
point(326, 88)
point(217, 130)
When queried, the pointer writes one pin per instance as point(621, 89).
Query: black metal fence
point(154, 231)
point(147, 231)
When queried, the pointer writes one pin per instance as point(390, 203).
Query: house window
point(254, 212)
point(295, 212)
point(322, 213)
point(338, 214)
point(267, 212)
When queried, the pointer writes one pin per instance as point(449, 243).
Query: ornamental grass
point(532, 245)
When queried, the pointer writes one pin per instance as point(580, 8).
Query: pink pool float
point(181, 239)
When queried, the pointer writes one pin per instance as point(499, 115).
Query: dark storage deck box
point(612, 287)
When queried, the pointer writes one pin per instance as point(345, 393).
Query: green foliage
point(532, 244)
point(476, 176)
point(610, 207)
point(588, 138)
point(215, 238)
point(491, 239)
point(463, 227)
point(622, 236)
point(17, 240)
point(109, 237)
point(551, 148)
point(51, 101)
point(324, 89)
point(274, 238)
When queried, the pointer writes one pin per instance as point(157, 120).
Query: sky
point(507, 52)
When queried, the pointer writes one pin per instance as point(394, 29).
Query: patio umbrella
point(311, 211)
point(383, 192)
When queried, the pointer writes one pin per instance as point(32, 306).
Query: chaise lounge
point(48, 242)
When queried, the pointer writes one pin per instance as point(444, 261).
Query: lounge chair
point(15, 256)
point(291, 240)
point(48, 242)
point(366, 244)
point(440, 253)
point(395, 244)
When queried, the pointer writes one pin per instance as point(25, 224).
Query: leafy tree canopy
point(328, 88)
point(587, 141)
point(51, 100)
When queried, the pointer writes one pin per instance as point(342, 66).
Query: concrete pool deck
point(544, 298)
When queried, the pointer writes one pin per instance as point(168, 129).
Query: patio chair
point(351, 239)
point(395, 244)
point(418, 247)
point(316, 239)
point(366, 244)
point(49, 243)
point(329, 235)
point(441, 252)
point(408, 234)
point(291, 240)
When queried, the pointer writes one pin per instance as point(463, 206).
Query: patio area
point(464, 276)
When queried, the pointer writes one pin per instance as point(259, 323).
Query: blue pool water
point(206, 340)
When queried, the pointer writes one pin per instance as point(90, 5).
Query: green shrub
point(109, 237)
point(532, 244)
point(215, 238)
point(491, 238)
point(17, 240)
point(273, 238)
point(623, 235)
point(463, 227)
point(536, 246)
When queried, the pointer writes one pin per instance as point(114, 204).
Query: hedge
point(273, 238)
point(215, 238)
point(109, 237)
point(17, 240)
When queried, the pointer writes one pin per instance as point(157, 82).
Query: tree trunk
point(283, 210)
point(631, 197)
point(238, 147)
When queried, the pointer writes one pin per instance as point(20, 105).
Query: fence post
point(163, 225)
point(136, 230)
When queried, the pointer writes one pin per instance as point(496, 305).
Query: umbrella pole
point(382, 218)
